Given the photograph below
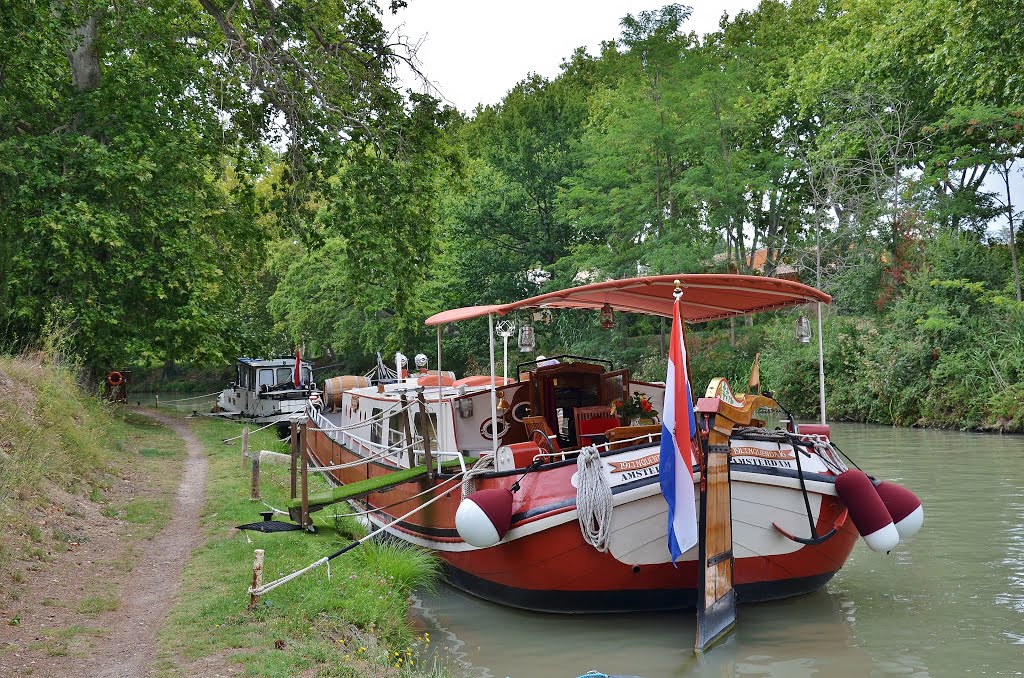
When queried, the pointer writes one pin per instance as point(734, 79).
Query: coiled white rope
point(482, 465)
point(593, 498)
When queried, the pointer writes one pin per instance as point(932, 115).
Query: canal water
point(949, 602)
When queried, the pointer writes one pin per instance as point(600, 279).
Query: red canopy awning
point(705, 297)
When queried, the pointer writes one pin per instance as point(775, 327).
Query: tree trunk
point(1013, 236)
point(85, 58)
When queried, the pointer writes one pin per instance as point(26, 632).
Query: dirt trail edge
point(148, 595)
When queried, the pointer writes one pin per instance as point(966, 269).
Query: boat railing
point(545, 457)
point(378, 450)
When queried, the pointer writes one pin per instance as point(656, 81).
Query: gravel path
point(130, 647)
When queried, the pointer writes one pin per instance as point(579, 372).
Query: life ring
point(115, 378)
point(520, 411)
point(488, 434)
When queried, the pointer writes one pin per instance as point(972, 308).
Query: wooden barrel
point(334, 387)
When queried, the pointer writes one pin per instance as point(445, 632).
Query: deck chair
point(539, 431)
point(593, 421)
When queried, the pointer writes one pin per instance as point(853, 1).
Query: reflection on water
point(949, 602)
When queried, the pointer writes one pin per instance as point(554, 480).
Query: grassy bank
point(351, 621)
point(53, 439)
point(83, 486)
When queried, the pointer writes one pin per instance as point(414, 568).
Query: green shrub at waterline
point(948, 353)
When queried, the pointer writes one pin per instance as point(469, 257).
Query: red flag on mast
point(297, 374)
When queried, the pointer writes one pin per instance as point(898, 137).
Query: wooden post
point(425, 424)
point(408, 431)
point(305, 480)
point(254, 489)
point(257, 578)
point(245, 447)
point(295, 455)
point(157, 401)
point(716, 597)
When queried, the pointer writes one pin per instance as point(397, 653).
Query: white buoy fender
point(904, 507)
point(484, 517)
point(867, 510)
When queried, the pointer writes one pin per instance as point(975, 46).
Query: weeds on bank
point(55, 435)
point(314, 624)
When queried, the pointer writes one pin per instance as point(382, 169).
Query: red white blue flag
point(678, 426)
point(297, 372)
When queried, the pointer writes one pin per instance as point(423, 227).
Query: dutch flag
point(678, 426)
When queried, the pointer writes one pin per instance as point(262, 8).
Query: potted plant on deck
point(636, 410)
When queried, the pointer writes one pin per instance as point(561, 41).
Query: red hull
point(554, 569)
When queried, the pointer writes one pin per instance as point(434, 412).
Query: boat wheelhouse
point(265, 390)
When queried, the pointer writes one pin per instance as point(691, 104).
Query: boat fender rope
point(483, 465)
point(593, 498)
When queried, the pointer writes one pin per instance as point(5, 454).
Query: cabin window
point(427, 429)
point(284, 375)
point(307, 376)
point(266, 378)
point(397, 436)
point(376, 426)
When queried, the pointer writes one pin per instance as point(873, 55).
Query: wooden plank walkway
point(362, 488)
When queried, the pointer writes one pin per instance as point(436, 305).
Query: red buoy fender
point(484, 517)
point(867, 510)
point(904, 507)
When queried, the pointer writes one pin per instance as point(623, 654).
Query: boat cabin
point(265, 389)
point(557, 405)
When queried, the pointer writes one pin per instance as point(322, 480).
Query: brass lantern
point(607, 316)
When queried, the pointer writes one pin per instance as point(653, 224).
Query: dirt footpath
point(52, 640)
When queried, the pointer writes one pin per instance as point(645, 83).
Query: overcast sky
point(476, 51)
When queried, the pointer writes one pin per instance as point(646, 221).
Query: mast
point(494, 397)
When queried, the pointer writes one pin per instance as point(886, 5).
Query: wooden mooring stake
point(424, 426)
point(245, 448)
point(254, 488)
point(295, 455)
point(304, 522)
point(257, 578)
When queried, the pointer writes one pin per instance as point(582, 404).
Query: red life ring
point(115, 378)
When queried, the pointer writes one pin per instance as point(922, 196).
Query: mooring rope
point(348, 427)
point(273, 423)
point(365, 460)
point(181, 400)
point(355, 514)
point(270, 586)
point(593, 498)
